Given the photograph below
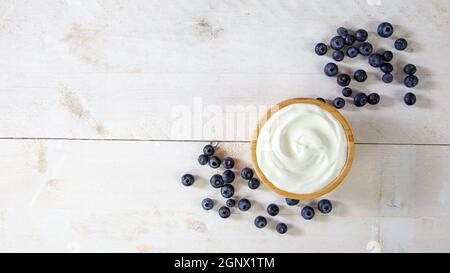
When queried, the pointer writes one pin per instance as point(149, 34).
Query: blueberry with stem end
point(224, 212)
point(385, 29)
point(347, 91)
point(281, 228)
point(216, 181)
point(244, 204)
point(214, 162)
point(352, 52)
point(207, 203)
point(360, 75)
point(338, 55)
point(246, 173)
point(360, 100)
point(409, 98)
point(228, 162)
point(365, 49)
point(227, 190)
point(187, 179)
point(338, 103)
point(387, 78)
point(228, 176)
point(343, 80)
point(337, 43)
point(253, 183)
point(324, 206)
point(230, 203)
point(330, 69)
point(307, 213)
point(208, 150)
point(373, 98)
point(321, 49)
point(273, 209)
point(260, 221)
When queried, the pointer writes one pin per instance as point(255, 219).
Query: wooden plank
point(126, 196)
point(101, 69)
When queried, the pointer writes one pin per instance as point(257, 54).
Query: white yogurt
point(301, 148)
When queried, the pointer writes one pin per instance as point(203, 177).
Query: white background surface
point(90, 93)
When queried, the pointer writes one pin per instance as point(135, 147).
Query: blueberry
point(321, 49)
point(203, 159)
point(207, 203)
point(325, 206)
point(338, 103)
point(343, 80)
point(230, 203)
point(387, 78)
point(330, 69)
point(216, 181)
point(187, 179)
point(273, 209)
point(387, 56)
point(349, 39)
point(352, 52)
point(360, 75)
point(224, 212)
point(321, 99)
point(360, 100)
point(338, 55)
point(214, 162)
point(228, 176)
point(281, 228)
point(361, 35)
point(308, 213)
point(386, 67)
point(365, 49)
point(409, 69)
point(409, 98)
point(291, 202)
point(253, 183)
point(385, 29)
point(342, 31)
point(376, 60)
point(411, 81)
point(244, 204)
point(227, 191)
point(260, 221)
point(337, 42)
point(347, 91)
point(246, 173)
point(400, 44)
point(208, 150)
point(228, 162)
point(373, 98)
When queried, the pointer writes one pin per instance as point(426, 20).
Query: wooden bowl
point(350, 148)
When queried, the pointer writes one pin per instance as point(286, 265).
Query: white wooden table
point(105, 104)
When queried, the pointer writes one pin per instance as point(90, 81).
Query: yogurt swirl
point(301, 148)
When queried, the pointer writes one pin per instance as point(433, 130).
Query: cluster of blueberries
point(224, 180)
point(346, 40)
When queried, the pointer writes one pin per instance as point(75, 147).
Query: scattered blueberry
point(365, 49)
point(228, 176)
point(387, 56)
point(349, 39)
point(224, 212)
point(343, 80)
point(325, 206)
point(292, 202)
point(321, 99)
point(387, 78)
point(361, 35)
point(411, 81)
point(360, 75)
point(386, 67)
point(337, 42)
point(253, 183)
point(187, 179)
point(273, 209)
point(338, 55)
point(342, 31)
point(214, 162)
point(347, 92)
point(207, 203)
point(373, 98)
point(216, 181)
point(281, 228)
point(385, 30)
point(400, 44)
point(321, 49)
point(360, 100)
point(409, 98)
point(308, 213)
point(203, 159)
point(228, 162)
point(230, 203)
point(352, 52)
point(260, 221)
point(409, 69)
point(247, 173)
point(244, 204)
point(376, 60)
point(338, 103)
point(227, 191)
point(330, 69)
point(208, 150)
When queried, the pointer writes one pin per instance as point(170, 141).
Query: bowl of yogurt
point(302, 148)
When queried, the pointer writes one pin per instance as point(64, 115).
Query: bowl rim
point(334, 183)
